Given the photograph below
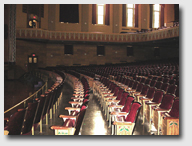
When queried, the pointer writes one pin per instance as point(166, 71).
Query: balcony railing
point(165, 33)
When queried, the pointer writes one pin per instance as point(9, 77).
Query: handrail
point(23, 101)
point(24, 33)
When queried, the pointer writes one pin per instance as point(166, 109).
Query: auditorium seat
point(153, 83)
point(172, 88)
point(164, 106)
point(150, 104)
point(111, 103)
point(29, 118)
point(158, 85)
point(143, 93)
point(15, 122)
point(146, 98)
point(127, 125)
point(108, 100)
point(133, 88)
point(170, 120)
point(118, 111)
point(137, 90)
point(72, 125)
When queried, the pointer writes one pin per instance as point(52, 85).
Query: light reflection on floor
point(98, 127)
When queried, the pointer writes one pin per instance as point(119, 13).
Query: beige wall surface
point(52, 54)
point(51, 18)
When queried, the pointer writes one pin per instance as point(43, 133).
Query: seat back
point(79, 120)
point(158, 96)
point(167, 101)
point(113, 88)
point(29, 118)
point(153, 83)
point(119, 94)
point(172, 81)
point(139, 87)
point(133, 113)
point(129, 101)
point(158, 85)
point(164, 87)
point(123, 99)
point(127, 81)
point(145, 89)
point(16, 122)
point(131, 83)
point(177, 92)
point(138, 79)
point(116, 90)
point(135, 84)
point(151, 92)
point(147, 81)
point(143, 80)
point(166, 80)
point(171, 89)
point(175, 109)
point(40, 108)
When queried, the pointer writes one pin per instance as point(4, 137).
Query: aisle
point(94, 123)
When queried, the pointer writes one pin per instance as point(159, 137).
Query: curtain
point(162, 15)
point(136, 15)
point(124, 15)
point(107, 12)
point(151, 15)
point(93, 13)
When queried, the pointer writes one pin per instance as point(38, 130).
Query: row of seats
point(142, 89)
point(26, 120)
point(144, 82)
point(73, 121)
point(119, 107)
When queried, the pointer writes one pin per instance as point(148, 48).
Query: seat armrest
point(122, 123)
point(112, 97)
point(76, 98)
point(116, 106)
point(74, 102)
point(119, 113)
point(72, 108)
point(113, 101)
point(54, 127)
point(67, 116)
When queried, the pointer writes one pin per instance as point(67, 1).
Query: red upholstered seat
point(15, 122)
point(167, 101)
point(158, 85)
point(164, 87)
point(172, 88)
point(153, 83)
point(175, 109)
point(134, 111)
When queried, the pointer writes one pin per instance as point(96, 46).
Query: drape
point(107, 12)
point(136, 15)
point(123, 14)
point(162, 15)
point(93, 13)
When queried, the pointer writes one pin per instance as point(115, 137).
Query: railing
point(40, 74)
point(26, 33)
point(34, 95)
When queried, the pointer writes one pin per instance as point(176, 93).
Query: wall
point(21, 18)
point(169, 10)
point(144, 16)
point(44, 20)
point(51, 18)
point(52, 54)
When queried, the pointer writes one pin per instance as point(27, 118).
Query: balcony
point(26, 33)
